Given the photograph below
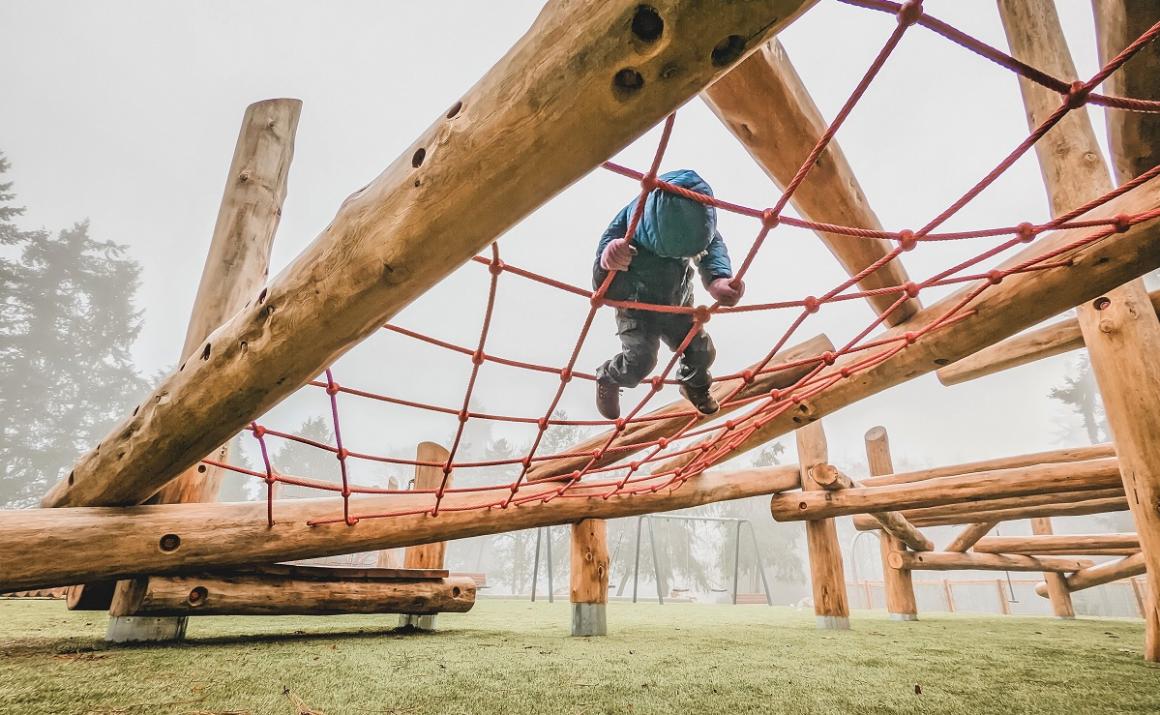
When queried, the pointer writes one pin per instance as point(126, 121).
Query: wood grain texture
point(953, 561)
point(970, 536)
point(765, 104)
point(58, 547)
point(589, 572)
point(827, 573)
point(1045, 542)
point(1055, 456)
point(428, 556)
point(1027, 505)
point(898, 583)
point(1057, 590)
point(574, 90)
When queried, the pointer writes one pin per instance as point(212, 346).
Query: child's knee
point(639, 361)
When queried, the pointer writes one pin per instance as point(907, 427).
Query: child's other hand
point(725, 293)
point(617, 255)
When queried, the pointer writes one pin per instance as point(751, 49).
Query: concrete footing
point(419, 623)
point(833, 623)
point(589, 619)
point(904, 616)
point(145, 629)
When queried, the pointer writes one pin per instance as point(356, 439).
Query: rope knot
point(907, 240)
point(1026, 232)
point(1122, 222)
point(1077, 94)
point(909, 13)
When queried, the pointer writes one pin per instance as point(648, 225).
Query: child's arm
point(717, 271)
point(615, 231)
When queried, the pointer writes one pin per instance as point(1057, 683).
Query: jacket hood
point(674, 226)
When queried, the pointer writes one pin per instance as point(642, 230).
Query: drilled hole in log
point(205, 352)
point(1101, 302)
point(136, 410)
point(417, 182)
point(418, 157)
point(169, 543)
point(455, 592)
point(198, 595)
point(454, 110)
point(262, 296)
point(181, 368)
point(72, 478)
point(201, 469)
point(626, 83)
point(647, 24)
point(728, 50)
point(941, 361)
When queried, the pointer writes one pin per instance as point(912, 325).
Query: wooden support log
point(660, 425)
point(1061, 604)
point(264, 595)
point(1120, 328)
point(898, 583)
point(827, 574)
point(969, 536)
point(995, 484)
point(1030, 506)
point(1055, 456)
point(428, 556)
point(767, 107)
point(1020, 301)
point(952, 561)
point(390, 558)
point(589, 578)
point(43, 548)
point(828, 477)
point(535, 123)
point(1100, 574)
point(1054, 339)
point(1048, 543)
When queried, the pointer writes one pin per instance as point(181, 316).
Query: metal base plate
point(833, 623)
point(904, 616)
point(589, 619)
point(145, 629)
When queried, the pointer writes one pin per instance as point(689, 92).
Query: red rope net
point(719, 438)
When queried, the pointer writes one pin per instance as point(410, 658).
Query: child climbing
point(653, 267)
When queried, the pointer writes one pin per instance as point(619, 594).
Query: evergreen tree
point(66, 327)
point(303, 460)
point(1079, 392)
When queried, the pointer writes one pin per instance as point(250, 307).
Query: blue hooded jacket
point(672, 231)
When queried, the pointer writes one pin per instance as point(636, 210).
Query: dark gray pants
point(640, 334)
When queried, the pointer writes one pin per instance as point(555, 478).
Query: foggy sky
point(126, 113)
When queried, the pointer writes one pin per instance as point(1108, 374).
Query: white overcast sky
point(125, 113)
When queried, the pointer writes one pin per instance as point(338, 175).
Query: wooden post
point(1004, 606)
point(43, 547)
point(589, 576)
point(1056, 585)
point(426, 556)
point(898, 583)
point(950, 595)
point(1120, 329)
point(235, 269)
point(1138, 592)
point(767, 107)
point(827, 574)
point(535, 123)
point(390, 558)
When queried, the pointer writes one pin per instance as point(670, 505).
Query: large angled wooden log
point(969, 536)
point(581, 84)
point(1039, 544)
point(827, 573)
point(238, 261)
point(267, 595)
point(767, 107)
point(1134, 138)
point(996, 484)
point(58, 547)
point(1119, 327)
point(1054, 339)
point(666, 421)
point(1020, 301)
point(970, 509)
point(1055, 456)
point(954, 561)
point(897, 583)
point(1100, 574)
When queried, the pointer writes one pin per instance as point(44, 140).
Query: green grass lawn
point(516, 657)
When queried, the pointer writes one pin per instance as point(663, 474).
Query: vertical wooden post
point(950, 595)
point(1057, 589)
point(1120, 328)
point(827, 575)
point(1004, 606)
point(1138, 591)
point(427, 556)
point(235, 269)
point(898, 583)
point(390, 558)
point(589, 576)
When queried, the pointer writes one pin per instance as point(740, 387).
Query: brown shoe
point(701, 398)
point(608, 400)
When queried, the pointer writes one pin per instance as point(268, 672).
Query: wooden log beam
point(1046, 543)
point(1119, 327)
point(1103, 505)
point(767, 107)
point(1020, 301)
point(41, 547)
point(430, 555)
point(898, 583)
point(581, 84)
point(1060, 597)
point(264, 595)
point(954, 561)
point(1054, 339)
point(1055, 456)
point(995, 484)
point(1100, 574)
point(969, 536)
point(968, 510)
point(665, 421)
point(589, 578)
point(827, 573)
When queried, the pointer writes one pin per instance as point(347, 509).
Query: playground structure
point(140, 506)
